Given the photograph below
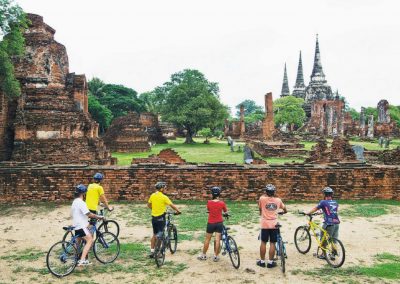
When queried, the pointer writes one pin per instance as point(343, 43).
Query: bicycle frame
point(315, 228)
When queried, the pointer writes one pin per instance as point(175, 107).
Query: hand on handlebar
point(110, 208)
point(177, 212)
point(281, 213)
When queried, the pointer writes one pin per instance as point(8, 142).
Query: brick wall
point(19, 182)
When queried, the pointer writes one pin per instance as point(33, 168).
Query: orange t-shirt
point(269, 211)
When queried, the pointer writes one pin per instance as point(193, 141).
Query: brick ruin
point(236, 129)
point(192, 182)
point(168, 130)
point(384, 126)
point(51, 123)
point(150, 122)
point(166, 156)
point(268, 126)
point(340, 151)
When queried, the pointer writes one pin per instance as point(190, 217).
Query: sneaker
point(216, 258)
point(83, 262)
point(260, 263)
point(271, 265)
point(322, 256)
point(202, 257)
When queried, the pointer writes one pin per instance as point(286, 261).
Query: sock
point(151, 250)
point(262, 261)
point(270, 261)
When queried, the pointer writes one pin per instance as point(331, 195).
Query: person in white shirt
point(80, 214)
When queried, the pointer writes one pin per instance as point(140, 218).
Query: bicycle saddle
point(69, 228)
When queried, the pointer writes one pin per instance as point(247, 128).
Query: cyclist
point(329, 208)
point(269, 206)
point(215, 208)
point(80, 214)
point(158, 203)
point(95, 193)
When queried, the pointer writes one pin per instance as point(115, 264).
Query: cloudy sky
point(243, 45)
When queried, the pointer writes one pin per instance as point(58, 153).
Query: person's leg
point(217, 246)
point(89, 241)
point(271, 253)
point(206, 243)
point(263, 250)
point(263, 247)
point(273, 236)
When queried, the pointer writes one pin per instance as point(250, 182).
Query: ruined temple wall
point(190, 182)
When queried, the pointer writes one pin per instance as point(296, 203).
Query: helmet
point(327, 191)
point(270, 188)
point(160, 184)
point(215, 190)
point(98, 176)
point(80, 188)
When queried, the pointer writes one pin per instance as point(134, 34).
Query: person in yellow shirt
point(95, 193)
point(158, 203)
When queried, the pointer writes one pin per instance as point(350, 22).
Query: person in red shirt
point(269, 206)
point(215, 208)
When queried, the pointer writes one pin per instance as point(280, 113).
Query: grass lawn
point(216, 151)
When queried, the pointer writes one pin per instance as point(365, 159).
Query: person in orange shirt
point(269, 206)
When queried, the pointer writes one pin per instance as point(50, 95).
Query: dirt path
point(26, 230)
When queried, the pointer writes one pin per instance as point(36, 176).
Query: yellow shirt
point(159, 202)
point(93, 195)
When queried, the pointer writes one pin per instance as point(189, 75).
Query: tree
point(289, 110)
point(394, 112)
point(205, 132)
point(96, 87)
point(12, 24)
point(250, 107)
point(100, 113)
point(256, 116)
point(190, 101)
point(355, 115)
point(150, 101)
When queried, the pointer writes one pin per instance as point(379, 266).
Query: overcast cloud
point(243, 45)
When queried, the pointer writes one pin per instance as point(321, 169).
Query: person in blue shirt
point(330, 209)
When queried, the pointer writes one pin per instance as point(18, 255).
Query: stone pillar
point(226, 129)
point(362, 122)
point(268, 123)
point(370, 126)
point(383, 112)
point(242, 125)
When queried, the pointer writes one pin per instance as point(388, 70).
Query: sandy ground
point(363, 239)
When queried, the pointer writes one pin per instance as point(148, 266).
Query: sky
point(242, 45)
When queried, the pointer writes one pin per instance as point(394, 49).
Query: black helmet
point(160, 184)
point(327, 191)
point(98, 176)
point(270, 188)
point(80, 188)
point(216, 191)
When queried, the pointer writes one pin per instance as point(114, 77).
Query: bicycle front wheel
point(335, 253)
point(233, 252)
point(172, 238)
point(62, 259)
point(110, 226)
point(302, 239)
point(282, 256)
point(159, 252)
point(68, 236)
point(106, 247)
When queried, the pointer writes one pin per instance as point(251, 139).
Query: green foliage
point(255, 116)
point(289, 110)
point(100, 113)
point(218, 133)
point(150, 102)
point(12, 24)
point(355, 115)
point(250, 107)
point(371, 111)
point(205, 132)
point(394, 112)
point(191, 102)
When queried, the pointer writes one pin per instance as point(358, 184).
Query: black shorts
point(93, 221)
point(214, 228)
point(270, 235)
point(158, 223)
point(82, 232)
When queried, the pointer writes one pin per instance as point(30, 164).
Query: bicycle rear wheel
point(159, 252)
point(302, 239)
point(62, 259)
point(172, 238)
point(106, 247)
point(282, 256)
point(110, 226)
point(233, 252)
point(335, 253)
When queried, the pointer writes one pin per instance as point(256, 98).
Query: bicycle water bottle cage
point(69, 228)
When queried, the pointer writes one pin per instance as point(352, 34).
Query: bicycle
point(331, 248)
point(63, 256)
point(280, 247)
point(105, 225)
point(167, 238)
point(228, 244)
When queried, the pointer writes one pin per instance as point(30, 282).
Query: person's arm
point(103, 199)
point(315, 209)
point(283, 207)
point(94, 216)
point(149, 205)
point(175, 208)
point(259, 207)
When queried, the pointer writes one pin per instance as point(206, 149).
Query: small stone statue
point(248, 155)
point(380, 141)
point(386, 143)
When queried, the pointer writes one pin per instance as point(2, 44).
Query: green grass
point(365, 210)
point(30, 254)
point(387, 267)
point(375, 145)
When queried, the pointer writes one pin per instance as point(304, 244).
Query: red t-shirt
point(215, 209)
